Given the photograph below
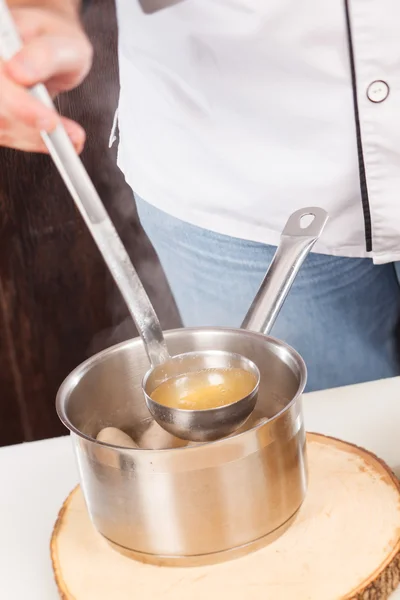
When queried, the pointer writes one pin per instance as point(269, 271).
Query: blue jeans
point(340, 315)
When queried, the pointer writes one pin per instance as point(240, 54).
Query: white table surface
point(37, 477)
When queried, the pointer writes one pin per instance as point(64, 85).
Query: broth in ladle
point(209, 388)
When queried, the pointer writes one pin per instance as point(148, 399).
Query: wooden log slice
point(344, 544)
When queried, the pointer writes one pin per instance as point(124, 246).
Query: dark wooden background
point(58, 305)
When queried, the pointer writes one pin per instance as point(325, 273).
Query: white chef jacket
point(235, 113)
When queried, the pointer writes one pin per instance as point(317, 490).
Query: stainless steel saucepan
point(190, 505)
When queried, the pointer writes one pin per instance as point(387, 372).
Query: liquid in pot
point(209, 388)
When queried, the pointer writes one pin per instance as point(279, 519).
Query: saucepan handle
point(296, 241)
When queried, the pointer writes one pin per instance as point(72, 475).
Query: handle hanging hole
point(306, 220)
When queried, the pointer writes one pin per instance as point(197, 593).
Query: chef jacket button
point(378, 91)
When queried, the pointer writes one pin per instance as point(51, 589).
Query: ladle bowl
point(207, 424)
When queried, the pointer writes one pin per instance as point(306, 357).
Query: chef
point(233, 114)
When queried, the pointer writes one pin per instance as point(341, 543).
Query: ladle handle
point(92, 210)
point(295, 244)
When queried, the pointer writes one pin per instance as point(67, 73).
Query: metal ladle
point(114, 254)
point(195, 425)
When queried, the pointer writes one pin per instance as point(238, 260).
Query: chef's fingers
point(18, 104)
point(55, 46)
point(22, 137)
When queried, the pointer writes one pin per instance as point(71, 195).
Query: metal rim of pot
point(70, 382)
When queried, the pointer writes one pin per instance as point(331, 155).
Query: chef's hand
point(57, 53)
